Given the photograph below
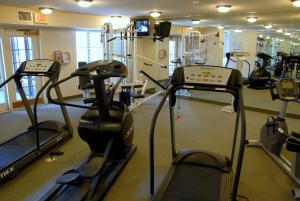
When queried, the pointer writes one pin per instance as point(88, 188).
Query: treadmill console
point(207, 75)
point(38, 66)
point(288, 90)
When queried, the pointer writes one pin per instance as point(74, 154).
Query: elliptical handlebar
point(153, 80)
point(97, 71)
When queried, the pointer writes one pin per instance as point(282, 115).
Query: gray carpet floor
point(202, 126)
point(260, 99)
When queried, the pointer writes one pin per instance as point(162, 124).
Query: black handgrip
point(272, 90)
point(88, 86)
point(89, 100)
point(146, 64)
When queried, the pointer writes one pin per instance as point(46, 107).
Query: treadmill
point(201, 175)
point(39, 137)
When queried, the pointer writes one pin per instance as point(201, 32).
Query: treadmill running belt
point(197, 183)
point(22, 145)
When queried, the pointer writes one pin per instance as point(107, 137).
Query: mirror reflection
point(258, 47)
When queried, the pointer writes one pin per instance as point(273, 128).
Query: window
point(89, 46)
point(119, 48)
point(172, 56)
point(21, 50)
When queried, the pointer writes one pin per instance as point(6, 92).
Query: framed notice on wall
point(62, 57)
point(65, 57)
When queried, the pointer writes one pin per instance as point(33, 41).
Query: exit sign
point(40, 18)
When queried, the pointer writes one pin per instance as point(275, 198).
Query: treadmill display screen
point(38, 66)
point(207, 75)
point(287, 85)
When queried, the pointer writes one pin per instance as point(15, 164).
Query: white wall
point(63, 40)
point(247, 40)
point(8, 16)
point(58, 34)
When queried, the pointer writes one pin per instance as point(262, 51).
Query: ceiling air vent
point(24, 16)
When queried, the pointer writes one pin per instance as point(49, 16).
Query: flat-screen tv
point(162, 29)
point(142, 26)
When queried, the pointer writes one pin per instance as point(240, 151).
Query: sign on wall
point(40, 18)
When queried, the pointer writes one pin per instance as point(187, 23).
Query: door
point(20, 46)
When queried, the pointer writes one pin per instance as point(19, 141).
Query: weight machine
point(191, 50)
point(122, 45)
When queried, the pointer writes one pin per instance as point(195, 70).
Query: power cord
point(56, 151)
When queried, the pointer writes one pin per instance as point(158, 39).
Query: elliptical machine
point(107, 127)
point(260, 78)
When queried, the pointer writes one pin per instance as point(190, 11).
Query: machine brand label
point(6, 172)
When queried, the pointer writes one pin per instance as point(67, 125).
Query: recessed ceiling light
point(252, 19)
point(190, 28)
point(277, 39)
point(238, 30)
point(281, 40)
point(287, 33)
point(296, 3)
point(220, 27)
point(157, 22)
point(155, 14)
point(84, 3)
point(223, 8)
point(268, 26)
point(279, 30)
point(261, 36)
point(268, 37)
point(195, 21)
point(46, 11)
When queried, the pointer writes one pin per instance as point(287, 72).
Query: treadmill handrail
point(51, 79)
point(240, 112)
point(7, 80)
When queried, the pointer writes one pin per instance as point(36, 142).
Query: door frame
point(4, 107)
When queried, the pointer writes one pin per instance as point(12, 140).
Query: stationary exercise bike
point(274, 134)
point(107, 127)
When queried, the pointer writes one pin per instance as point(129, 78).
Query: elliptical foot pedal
point(295, 134)
point(293, 145)
point(296, 193)
point(69, 177)
point(92, 167)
